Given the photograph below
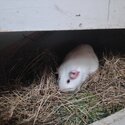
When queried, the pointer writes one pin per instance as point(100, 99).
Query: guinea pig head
point(69, 80)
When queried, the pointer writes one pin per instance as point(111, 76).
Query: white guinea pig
point(77, 66)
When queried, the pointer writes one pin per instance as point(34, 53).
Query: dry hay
point(103, 94)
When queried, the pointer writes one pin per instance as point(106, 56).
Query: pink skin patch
point(74, 74)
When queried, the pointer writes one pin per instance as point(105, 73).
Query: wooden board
point(47, 15)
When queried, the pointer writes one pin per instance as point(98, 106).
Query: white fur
point(82, 59)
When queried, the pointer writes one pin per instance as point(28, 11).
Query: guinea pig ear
point(74, 74)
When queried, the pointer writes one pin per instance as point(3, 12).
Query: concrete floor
point(115, 119)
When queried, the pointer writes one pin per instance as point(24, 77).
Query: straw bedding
point(41, 103)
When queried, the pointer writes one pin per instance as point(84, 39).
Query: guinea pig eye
point(68, 81)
